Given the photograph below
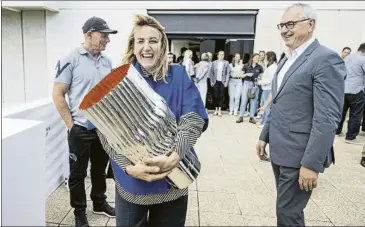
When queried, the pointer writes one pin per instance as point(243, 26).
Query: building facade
point(37, 34)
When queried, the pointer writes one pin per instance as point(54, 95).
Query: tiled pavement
point(236, 189)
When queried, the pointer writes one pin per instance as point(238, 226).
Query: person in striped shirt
point(143, 196)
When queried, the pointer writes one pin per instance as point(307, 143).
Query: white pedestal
point(55, 136)
point(23, 173)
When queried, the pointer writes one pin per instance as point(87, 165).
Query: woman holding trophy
point(155, 117)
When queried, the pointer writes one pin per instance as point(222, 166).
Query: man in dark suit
point(307, 100)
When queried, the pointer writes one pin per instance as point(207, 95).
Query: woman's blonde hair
point(187, 53)
point(159, 70)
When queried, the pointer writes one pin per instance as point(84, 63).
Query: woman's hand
point(146, 173)
point(261, 110)
point(165, 163)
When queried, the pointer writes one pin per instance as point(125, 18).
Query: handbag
point(251, 93)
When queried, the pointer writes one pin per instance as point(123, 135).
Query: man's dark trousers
point(291, 200)
point(363, 121)
point(354, 102)
point(85, 145)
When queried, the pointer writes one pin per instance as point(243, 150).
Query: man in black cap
point(76, 74)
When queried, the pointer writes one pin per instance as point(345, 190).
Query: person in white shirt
point(202, 73)
point(263, 63)
point(188, 63)
point(235, 84)
point(265, 82)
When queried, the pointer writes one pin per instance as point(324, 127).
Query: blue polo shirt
point(182, 97)
point(355, 67)
point(257, 70)
point(81, 72)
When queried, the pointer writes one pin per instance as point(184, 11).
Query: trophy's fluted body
point(137, 122)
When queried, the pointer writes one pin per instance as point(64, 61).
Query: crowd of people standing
point(247, 79)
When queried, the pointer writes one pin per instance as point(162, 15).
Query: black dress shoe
point(104, 209)
point(81, 221)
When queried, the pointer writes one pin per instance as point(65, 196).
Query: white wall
point(267, 35)
point(35, 54)
point(176, 45)
point(12, 58)
point(337, 29)
point(24, 59)
point(131, 5)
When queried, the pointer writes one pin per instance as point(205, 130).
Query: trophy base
point(179, 179)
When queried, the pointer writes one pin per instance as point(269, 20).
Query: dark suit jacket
point(306, 110)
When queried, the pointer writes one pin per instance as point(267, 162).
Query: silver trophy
point(137, 122)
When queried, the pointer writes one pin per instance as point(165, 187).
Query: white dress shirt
point(189, 67)
point(220, 70)
point(292, 57)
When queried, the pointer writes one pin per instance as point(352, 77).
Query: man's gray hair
point(204, 57)
point(307, 10)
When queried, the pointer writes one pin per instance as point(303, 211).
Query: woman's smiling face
point(147, 46)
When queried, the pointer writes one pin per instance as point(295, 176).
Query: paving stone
point(258, 202)
point(193, 201)
point(313, 213)
point(318, 223)
point(225, 203)
point(57, 205)
point(219, 219)
point(345, 214)
point(354, 193)
point(111, 222)
point(224, 185)
point(258, 221)
point(192, 218)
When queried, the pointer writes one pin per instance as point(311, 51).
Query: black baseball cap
point(96, 24)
